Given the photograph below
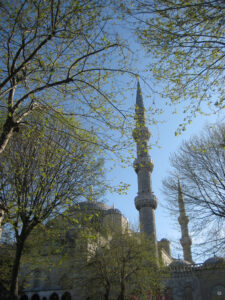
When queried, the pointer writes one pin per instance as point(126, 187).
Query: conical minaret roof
point(180, 199)
point(139, 109)
point(183, 220)
point(139, 98)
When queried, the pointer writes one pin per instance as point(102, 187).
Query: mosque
point(187, 280)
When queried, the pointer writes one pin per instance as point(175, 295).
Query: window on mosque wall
point(35, 297)
point(218, 292)
point(168, 293)
point(54, 296)
point(188, 293)
point(66, 296)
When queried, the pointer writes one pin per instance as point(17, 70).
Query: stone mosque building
point(188, 280)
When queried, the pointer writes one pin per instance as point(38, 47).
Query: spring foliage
point(186, 40)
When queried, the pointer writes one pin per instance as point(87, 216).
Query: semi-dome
point(214, 261)
point(178, 263)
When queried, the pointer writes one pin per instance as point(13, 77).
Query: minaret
point(145, 201)
point(183, 220)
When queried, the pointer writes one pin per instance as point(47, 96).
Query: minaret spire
point(145, 201)
point(183, 220)
point(139, 99)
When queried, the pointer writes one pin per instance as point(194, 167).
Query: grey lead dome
point(113, 211)
point(214, 261)
point(93, 205)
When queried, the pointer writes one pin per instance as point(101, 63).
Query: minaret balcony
point(146, 200)
point(141, 134)
point(185, 241)
point(143, 162)
point(183, 220)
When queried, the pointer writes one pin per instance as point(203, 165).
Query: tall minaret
point(183, 220)
point(145, 201)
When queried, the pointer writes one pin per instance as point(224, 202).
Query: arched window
point(24, 297)
point(168, 293)
point(66, 296)
point(35, 297)
point(188, 293)
point(54, 296)
point(218, 292)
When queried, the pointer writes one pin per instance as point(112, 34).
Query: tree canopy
point(43, 172)
point(60, 55)
point(199, 164)
point(186, 40)
point(120, 266)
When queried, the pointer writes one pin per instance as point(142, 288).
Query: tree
point(59, 55)
point(186, 41)
point(119, 266)
point(200, 165)
point(43, 172)
point(6, 260)
point(54, 246)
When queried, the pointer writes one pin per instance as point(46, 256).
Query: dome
point(113, 211)
point(178, 263)
point(164, 240)
point(93, 205)
point(214, 261)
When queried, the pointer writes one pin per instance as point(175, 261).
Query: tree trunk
point(106, 296)
point(122, 292)
point(7, 132)
point(15, 270)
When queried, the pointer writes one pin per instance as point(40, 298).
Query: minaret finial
point(145, 201)
point(183, 220)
